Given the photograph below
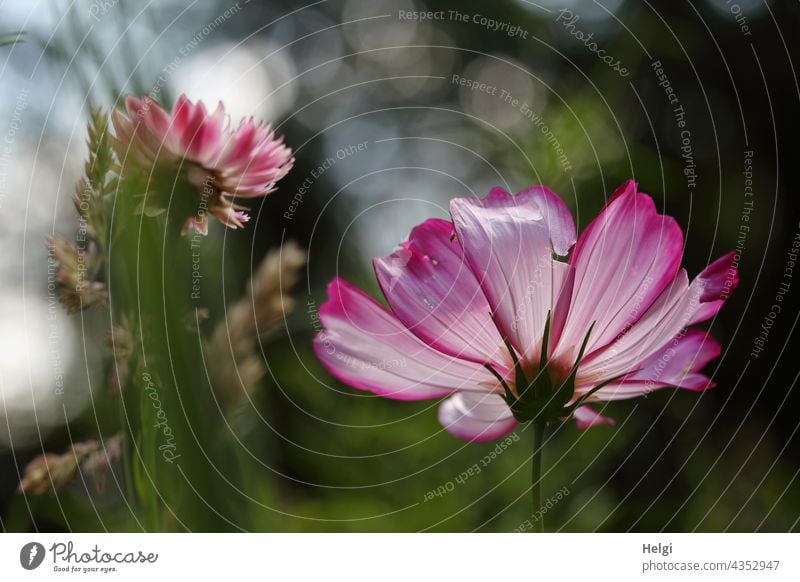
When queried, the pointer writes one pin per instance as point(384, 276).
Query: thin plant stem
point(536, 475)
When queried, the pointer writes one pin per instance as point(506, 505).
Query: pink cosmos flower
point(507, 317)
point(218, 160)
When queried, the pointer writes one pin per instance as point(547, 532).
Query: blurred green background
point(333, 74)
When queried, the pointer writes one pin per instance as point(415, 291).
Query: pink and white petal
point(367, 347)
point(247, 162)
point(253, 145)
point(563, 279)
point(586, 417)
point(155, 119)
point(133, 141)
point(476, 417)
point(635, 389)
point(717, 282)
point(227, 214)
point(677, 364)
point(239, 146)
point(623, 261)
point(123, 132)
point(155, 133)
point(199, 226)
point(683, 356)
point(188, 118)
point(434, 293)
point(182, 112)
point(258, 170)
point(645, 337)
point(556, 214)
point(680, 306)
point(506, 244)
point(207, 141)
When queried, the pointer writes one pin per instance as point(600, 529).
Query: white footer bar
point(401, 557)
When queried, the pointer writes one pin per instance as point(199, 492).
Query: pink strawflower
point(486, 314)
point(219, 160)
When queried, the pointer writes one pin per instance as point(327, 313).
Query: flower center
point(541, 391)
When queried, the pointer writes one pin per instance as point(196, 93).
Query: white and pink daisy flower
point(220, 161)
point(509, 318)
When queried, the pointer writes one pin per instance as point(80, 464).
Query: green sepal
point(538, 399)
point(545, 343)
point(579, 402)
point(509, 396)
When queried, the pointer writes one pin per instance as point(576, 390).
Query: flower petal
point(367, 347)
point(434, 293)
point(246, 162)
point(717, 281)
point(476, 417)
point(623, 261)
point(586, 417)
point(676, 364)
point(155, 119)
point(186, 119)
point(207, 141)
point(555, 214)
point(506, 243)
point(680, 306)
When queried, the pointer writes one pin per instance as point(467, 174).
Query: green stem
point(126, 460)
point(536, 475)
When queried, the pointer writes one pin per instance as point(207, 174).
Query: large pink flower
point(218, 160)
point(486, 314)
